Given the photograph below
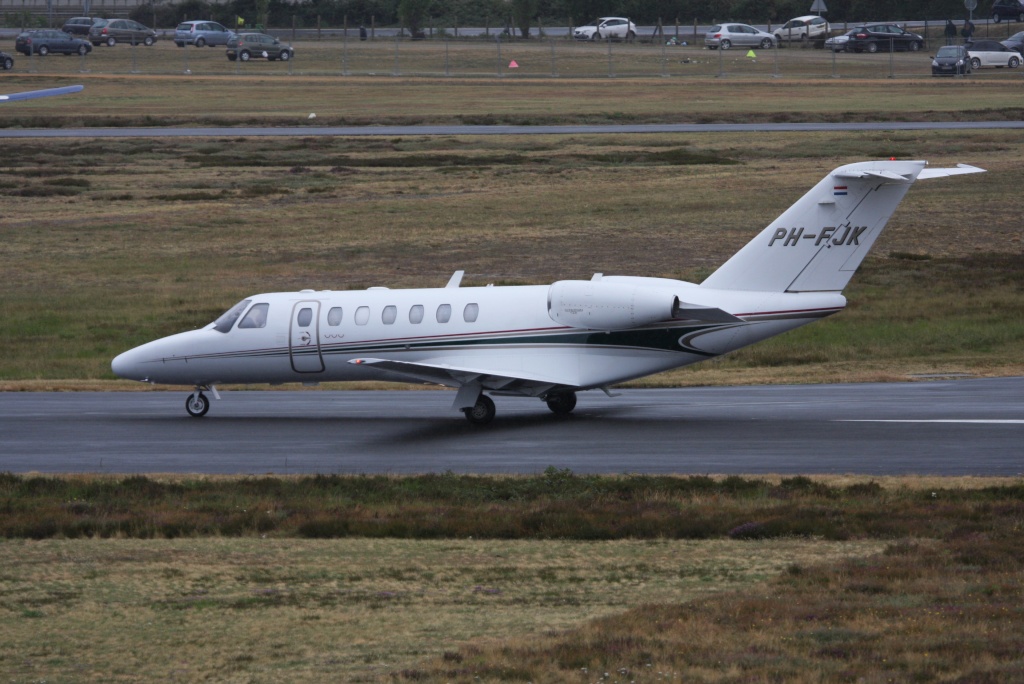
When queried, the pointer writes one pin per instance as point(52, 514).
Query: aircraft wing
point(528, 384)
point(33, 94)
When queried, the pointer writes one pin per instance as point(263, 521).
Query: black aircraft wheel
point(482, 412)
point(197, 404)
point(562, 404)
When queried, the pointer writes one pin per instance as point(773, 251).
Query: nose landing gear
point(197, 404)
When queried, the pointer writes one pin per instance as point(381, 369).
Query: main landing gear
point(482, 412)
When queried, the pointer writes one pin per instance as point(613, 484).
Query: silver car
point(200, 33)
point(724, 36)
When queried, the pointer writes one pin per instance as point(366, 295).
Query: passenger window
point(444, 313)
point(416, 314)
point(334, 316)
point(470, 313)
point(362, 315)
point(389, 315)
point(305, 317)
point(256, 318)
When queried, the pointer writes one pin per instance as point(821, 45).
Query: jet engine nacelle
point(608, 306)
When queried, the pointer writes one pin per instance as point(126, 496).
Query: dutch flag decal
point(839, 190)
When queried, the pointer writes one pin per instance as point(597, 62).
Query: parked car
point(875, 37)
point(110, 32)
point(1008, 9)
point(78, 26)
point(724, 36)
point(200, 33)
point(951, 60)
point(6, 61)
point(44, 41)
point(606, 28)
point(1015, 42)
point(802, 29)
point(839, 43)
point(245, 46)
point(992, 53)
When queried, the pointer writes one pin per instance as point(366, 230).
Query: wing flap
point(531, 384)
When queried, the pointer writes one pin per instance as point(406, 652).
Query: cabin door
point(304, 347)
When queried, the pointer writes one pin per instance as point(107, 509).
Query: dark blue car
point(44, 41)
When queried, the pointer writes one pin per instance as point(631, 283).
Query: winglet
point(456, 279)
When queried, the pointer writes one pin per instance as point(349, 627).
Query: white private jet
point(33, 94)
point(546, 341)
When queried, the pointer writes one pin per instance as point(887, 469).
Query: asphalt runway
point(347, 131)
point(937, 427)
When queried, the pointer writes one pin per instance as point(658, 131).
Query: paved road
point(937, 427)
point(500, 130)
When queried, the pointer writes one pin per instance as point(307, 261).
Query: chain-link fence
point(500, 57)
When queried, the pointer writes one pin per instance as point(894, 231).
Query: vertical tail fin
point(817, 244)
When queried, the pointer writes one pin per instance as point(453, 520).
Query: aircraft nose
point(126, 365)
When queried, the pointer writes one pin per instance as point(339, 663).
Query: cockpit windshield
point(224, 323)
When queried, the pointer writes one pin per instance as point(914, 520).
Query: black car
point(6, 61)
point(78, 26)
point(1007, 9)
point(875, 37)
point(1015, 42)
point(44, 41)
point(951, 60)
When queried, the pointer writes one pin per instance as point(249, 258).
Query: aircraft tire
point(562, 404)
point(197, 404)
point(482, 412)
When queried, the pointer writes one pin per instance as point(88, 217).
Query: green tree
point(413, 15)
point(523, 14)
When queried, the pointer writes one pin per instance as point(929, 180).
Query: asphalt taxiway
point(469, 129)
point(938, 427)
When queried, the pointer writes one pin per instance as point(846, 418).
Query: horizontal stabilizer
point(881, 174)
point(942, 173)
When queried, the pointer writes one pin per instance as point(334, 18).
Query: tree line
point(524, 17)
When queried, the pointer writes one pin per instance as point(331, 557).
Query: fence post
point(554, 60)
point(395, 71)
point(344, 54)
point(497, 41)
point(611, 64)
point(446, 71)
point(664, 58)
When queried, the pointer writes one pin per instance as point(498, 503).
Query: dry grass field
point(648, 579)
point(342, 610)
point(109, 243)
